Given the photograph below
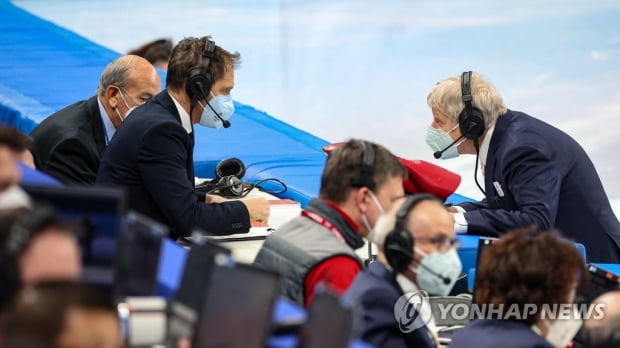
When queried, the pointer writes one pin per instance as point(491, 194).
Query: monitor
point(138, 255)
point(96, 212)
point(238, 307)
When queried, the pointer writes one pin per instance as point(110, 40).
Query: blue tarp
point(44, 68)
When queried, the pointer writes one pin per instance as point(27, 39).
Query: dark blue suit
point(491, 333)
point(375, 292)
point(151, 155)
point(537, 174)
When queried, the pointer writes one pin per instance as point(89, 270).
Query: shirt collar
point(344, 215)
point(108, 126)
point(484, 147)
point(186, 121)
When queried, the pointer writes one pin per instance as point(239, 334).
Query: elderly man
point(604, 331)
point(152, 154)
point(417, 252)
point(534, 174)
point(68, 144)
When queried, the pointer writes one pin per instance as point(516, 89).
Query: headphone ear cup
point(471, 123)
point(230, 166)
point(230, 186)
point(198, 84)
point(398, 249)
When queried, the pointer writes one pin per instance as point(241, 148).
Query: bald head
point(606, 320)
point(127, 82)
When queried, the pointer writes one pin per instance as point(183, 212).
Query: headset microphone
point(398, 248)
point(445, 280)
point(225, 123)
point(438, 154)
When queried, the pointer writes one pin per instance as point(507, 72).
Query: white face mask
point(129, 109)
point(561, 331)
point(371, 229)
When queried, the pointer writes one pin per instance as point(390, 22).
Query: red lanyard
point(321, 221)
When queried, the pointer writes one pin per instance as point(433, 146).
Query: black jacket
point(151, 155)
point(69, 143)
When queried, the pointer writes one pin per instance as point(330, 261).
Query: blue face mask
point(439, 139)
point(447, 264)
point(223, 105)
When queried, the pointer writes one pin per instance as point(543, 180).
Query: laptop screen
point(96, 212)
point(238, 307)
point(197, 272)
point(483, 244)
point(329, 323)
point(138, 255)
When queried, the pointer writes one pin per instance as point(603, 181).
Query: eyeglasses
point(443, 242)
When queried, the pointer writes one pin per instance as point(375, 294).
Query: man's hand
point(214, 199)
point(452, 209)
point(258, 208)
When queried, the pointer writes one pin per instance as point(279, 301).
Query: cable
point(477, 146)
point(245, 189)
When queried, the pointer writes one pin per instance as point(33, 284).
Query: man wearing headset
point(359, 180)
point(534, 174)
point(68, 144)
point(151, 155)
point(417, 251)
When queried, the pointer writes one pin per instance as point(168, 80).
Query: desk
point(245, 246)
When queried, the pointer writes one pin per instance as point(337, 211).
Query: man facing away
point(68, 144)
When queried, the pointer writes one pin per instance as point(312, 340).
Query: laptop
point(483, 244)
point(238, 307)
point(601, 281)
point(138, 258)
point(186, 304)
point(330, 322)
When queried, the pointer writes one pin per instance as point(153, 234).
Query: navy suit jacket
point(69, 143)
point(491, 333)
point(151, 155)
point(539, 175)
point(374, 292)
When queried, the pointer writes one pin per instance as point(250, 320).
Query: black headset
point(399, 243)
point(365, 178)
point(227, 181)
point(471, 120)
point(199, 81)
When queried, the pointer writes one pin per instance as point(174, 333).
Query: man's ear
point(361, 197)
point(112, 95)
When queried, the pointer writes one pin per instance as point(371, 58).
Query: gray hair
point(446, 96)
point(116, 73)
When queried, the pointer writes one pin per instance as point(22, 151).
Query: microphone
point(438, 154)
point(225, 123)
point(445, 279)
point(397, 248)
